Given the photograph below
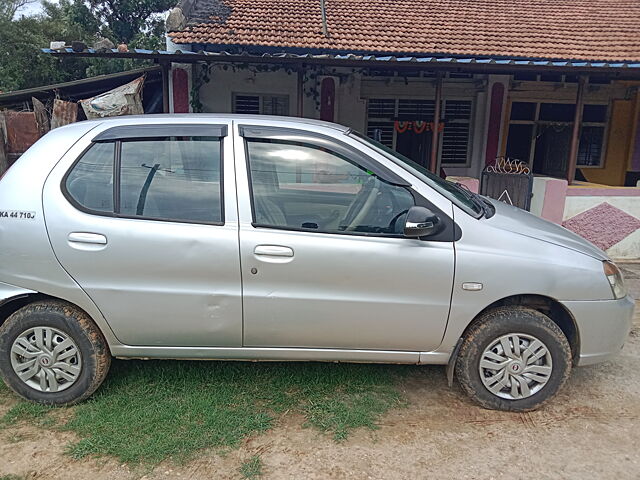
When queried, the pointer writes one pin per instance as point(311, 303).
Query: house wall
point(216, 96)
point(353, 89)
point(619, 142)
point(621, 97)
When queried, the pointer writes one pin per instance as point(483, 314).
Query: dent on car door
point(326, 264)
point(146, 224)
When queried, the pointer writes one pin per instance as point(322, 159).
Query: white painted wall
point(216, 96)
point(351, 108)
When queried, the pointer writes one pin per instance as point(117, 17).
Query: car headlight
point(614, 275)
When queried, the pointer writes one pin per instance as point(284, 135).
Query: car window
point(171, 178)
point(450, 190)
point(304, 187)
point(90, 183)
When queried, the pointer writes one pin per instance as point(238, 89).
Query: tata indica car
point(271, 238)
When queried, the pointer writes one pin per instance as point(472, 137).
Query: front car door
point(144, 218)
point(325, 264)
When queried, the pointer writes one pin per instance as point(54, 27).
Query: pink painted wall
point(555, 195)
point(471, 183)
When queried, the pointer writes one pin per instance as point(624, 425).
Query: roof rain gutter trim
point(359, 59)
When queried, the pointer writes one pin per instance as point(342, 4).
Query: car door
point(145, 221)
point(325, 264)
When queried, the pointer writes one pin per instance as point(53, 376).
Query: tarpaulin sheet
point(124, 100)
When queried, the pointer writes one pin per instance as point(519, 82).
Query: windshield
point(456, 193)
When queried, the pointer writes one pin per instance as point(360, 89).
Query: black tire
point(76, 325)
point(511, 320)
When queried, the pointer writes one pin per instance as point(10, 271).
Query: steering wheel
point(361, 205)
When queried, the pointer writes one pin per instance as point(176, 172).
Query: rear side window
point(177, 179)
point(165, 178)
point(90, 183)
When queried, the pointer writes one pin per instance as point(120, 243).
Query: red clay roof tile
point(602, 30)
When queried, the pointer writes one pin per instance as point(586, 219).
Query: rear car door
point(145, 221)
point(325, 263)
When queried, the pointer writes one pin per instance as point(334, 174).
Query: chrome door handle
point(87, 237)
point(273, 251)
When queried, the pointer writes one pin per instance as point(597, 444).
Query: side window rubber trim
point(323, 141)
point(139, 132)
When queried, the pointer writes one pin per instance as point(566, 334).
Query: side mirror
point(421, 222)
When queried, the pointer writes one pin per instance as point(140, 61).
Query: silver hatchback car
point(271, 238)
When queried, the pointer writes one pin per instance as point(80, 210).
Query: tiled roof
point(597, 30)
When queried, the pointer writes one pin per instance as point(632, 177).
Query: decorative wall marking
point(603, 225)
point(502, 196)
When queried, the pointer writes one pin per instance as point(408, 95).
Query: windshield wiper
point(475, 198)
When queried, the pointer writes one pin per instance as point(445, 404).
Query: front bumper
point(603, 327)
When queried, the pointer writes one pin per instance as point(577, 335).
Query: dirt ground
point(591, 430)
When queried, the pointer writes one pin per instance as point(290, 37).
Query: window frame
point(261, 97)
point(280, 134)
point(443, 106)
point(218, 131)
point(536, 123)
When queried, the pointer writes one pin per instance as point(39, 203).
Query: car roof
point(275, 119)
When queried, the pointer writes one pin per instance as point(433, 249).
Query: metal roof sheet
point(341, 57)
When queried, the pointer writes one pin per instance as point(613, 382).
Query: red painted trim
point(495, 121)
point(180, 81)
point(603, 192)
point(327, 99)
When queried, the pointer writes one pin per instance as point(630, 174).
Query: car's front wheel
point(513, 358)
point(52, 353)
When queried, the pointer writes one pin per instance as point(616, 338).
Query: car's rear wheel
point(513, 358)
point(52, 353)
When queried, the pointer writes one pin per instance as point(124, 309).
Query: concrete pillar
point(549, 195)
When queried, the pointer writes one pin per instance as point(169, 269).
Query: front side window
point(451, 191)
point(304, 187)
point(165, 178)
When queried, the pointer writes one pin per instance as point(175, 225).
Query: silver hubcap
point(515, 366)
point(46, 359)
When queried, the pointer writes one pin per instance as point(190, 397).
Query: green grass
point(252, 468)
point(149, 411)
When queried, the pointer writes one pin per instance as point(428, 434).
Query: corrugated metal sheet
point(22, 131)
point(418, 60)
point(64, 113)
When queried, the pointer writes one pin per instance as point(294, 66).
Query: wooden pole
point(300, 91)
point(165, 86)
point(433, 164)
point(575, 134)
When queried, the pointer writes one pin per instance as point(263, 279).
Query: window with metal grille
point(261, 104)
point(455, 114)
point(455, 137)
point(380, 115)
point(531, 125)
